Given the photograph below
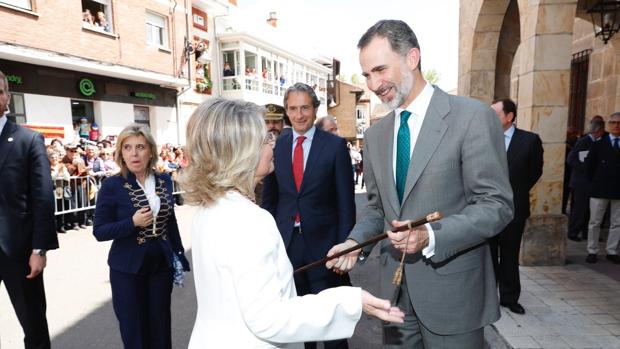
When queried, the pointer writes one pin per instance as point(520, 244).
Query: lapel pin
point(10, 139)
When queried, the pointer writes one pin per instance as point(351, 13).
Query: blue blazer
point(113, 221)
point(325, 202)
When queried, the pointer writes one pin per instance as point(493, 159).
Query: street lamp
point(605, 18)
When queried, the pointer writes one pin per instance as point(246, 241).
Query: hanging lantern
point(605, 18)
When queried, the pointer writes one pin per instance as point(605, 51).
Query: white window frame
point(18, 4)
point(107, 10)
point(154, 23)
point(18, 114)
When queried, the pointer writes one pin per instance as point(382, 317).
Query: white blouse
point(245, 289)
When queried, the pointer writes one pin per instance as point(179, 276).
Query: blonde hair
point(129, 131)
point(224, 139)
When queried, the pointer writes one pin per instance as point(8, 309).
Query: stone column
point(543, 97)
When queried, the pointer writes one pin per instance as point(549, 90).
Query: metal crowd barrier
point(80, 193)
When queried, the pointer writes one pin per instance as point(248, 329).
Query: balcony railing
point(253, 83)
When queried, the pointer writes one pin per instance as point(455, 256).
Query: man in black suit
point(27, 227)
point(579, 181)
point(525, 165)
point(310, 194)
point(603, 164)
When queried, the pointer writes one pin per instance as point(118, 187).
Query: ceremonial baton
point(432, 217)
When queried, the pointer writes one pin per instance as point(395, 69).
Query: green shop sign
point(16, 79)
point(146, 95)
point(86, 87)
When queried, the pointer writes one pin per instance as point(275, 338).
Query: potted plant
point(204, 84)
point(201, 85)
point(207, 80)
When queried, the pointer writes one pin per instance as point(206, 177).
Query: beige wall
point(58, 28)
point(603, 70)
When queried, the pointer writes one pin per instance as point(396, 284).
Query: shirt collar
point(612, 137)
point(309, 134)
point(510, 131)
point(420, 104)
point(3, 120)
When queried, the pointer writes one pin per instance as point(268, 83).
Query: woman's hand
point(143, 217)
point(381, 308)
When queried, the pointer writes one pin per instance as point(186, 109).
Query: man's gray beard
point(402, 91)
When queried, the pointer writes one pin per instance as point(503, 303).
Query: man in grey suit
point(434, 152)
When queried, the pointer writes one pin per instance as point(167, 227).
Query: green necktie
point(403, 143)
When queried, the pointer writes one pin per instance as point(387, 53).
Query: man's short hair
point(508, 106)
point(301, 87)
point(596, 124)
point(398, 33)
point(320, 122)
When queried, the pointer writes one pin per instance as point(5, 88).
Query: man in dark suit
point(525, 164)
point(310, 193)
point(603, 164)
point(579, 182)
point(27, 228)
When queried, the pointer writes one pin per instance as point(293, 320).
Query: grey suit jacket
point(458, 167)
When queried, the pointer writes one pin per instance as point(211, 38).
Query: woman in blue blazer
point(135, 209)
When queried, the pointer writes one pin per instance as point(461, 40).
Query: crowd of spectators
point(78, 169)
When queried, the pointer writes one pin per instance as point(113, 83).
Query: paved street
point(573, 306)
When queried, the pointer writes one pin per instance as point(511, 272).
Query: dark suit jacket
point(603, 163)
point(113, 221)
point(26, 193)
point(325, 202)
point(525, 165)
point(579, 177)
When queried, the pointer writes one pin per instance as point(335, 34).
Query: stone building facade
point(532, 51)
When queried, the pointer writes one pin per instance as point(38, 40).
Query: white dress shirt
point(418, 109)
point(151, 195)
point(306, 144)
point(3, 120)
point(245, 288)
point(508, 135)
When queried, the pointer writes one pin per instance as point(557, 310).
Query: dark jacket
point(118, 200)
point(26, 193)
point(525, 165)
point(325, 203)
point(579, 177)
point(603, 163)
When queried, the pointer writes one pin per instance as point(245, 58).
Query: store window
point(97, 14)
point(141, 115)
point(17, 110)
point(156, 30)
point(25, 4)
point(83, 117)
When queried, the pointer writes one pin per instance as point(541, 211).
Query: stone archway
point(509, 39)
point(522, 49)
point(478, 42)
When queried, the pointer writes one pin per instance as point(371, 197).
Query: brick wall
point(58, 28)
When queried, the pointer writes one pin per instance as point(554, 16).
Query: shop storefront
point(77, 101)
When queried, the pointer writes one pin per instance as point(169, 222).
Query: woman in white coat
point(244, 280)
